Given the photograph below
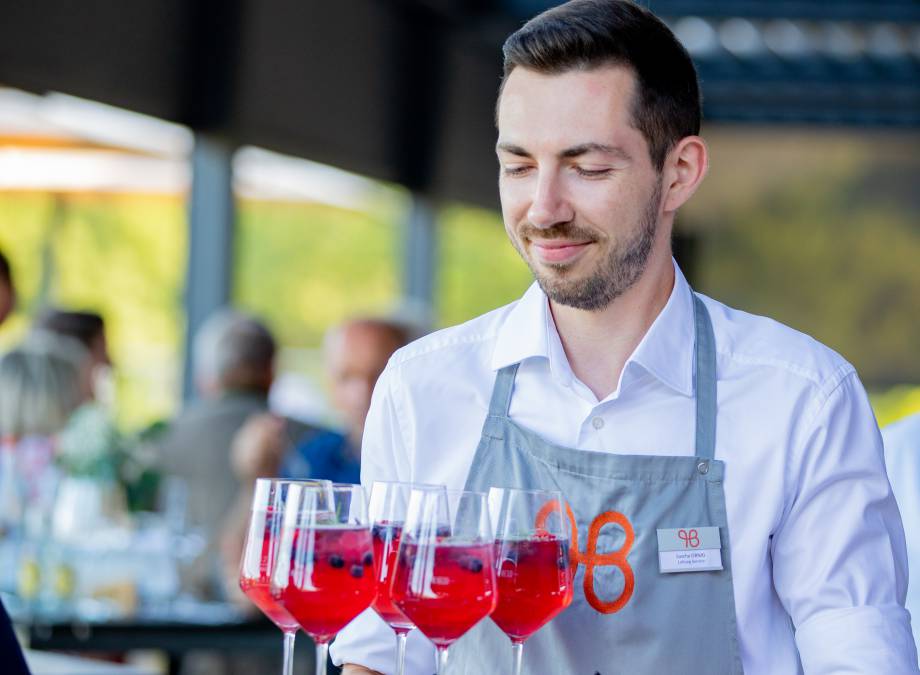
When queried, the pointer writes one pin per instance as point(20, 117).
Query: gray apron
point(626, 616)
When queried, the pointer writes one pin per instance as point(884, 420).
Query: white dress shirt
point(817, 547)
point(902, 456)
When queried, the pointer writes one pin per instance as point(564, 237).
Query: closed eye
point(515, 170)
point(593, 173)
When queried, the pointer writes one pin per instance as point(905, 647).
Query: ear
point(684, 170)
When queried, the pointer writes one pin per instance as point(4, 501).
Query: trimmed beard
point(613, 277)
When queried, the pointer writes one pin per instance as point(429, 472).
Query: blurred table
point(43, 663)
point(175, 630)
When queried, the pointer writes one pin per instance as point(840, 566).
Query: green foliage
point(121, 255)
point(478, 268)
point(895, 403)
point(816, 230)
point(305, 267)
point(90, 446)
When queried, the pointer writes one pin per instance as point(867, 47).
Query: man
point(355, 354)
point(7, 290)
point(902, 458)
point(652, 409)
point(234, 368)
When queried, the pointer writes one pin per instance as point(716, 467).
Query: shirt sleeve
point(902, 459)
point(385, 455)
point(839, 561)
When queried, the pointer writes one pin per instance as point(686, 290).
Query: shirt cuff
point(856, 640)
point(368, 641)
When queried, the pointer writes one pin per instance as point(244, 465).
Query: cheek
point(515, 199)
point(600, 202)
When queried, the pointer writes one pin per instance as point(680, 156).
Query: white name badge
point(689, 549)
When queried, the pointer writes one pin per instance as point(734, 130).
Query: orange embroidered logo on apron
point(591, 559)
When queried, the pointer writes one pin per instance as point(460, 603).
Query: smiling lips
point(559, 250)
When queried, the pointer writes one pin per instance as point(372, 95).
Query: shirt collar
point(666, 350)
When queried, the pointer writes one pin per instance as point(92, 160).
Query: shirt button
point(598, 423)
point(703, 467)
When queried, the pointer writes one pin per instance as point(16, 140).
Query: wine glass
point(388, 504)
point(445, 577)
point(263, 537)
point(531, 561)
point(324, 572)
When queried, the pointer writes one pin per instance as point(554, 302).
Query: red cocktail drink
point(386, 547)
point(447, 595)
point(534, 583)
point(259, 591)
point(331, 579)
point(257, 586)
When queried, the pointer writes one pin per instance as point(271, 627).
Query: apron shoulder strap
point(501, 392)
point(705, 381)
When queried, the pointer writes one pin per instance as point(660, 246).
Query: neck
point(598, 343)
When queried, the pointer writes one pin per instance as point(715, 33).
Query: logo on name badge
point(689, 549)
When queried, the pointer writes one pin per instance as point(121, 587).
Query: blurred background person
point(902, 459)
point(42, 382)
point(235, 366)
point(355, 353)
point(87, 328)
point(7, 290)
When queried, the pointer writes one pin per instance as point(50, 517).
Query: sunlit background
point(310, 161)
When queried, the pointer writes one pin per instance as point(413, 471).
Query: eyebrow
point(570, 153)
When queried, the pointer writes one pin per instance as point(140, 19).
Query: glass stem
point(442, 660)
point(289, 653)
point(517, 653)
point(401, 638)
point(322, 652)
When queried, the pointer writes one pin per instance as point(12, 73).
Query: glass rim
point(335, 487)
point(295, 481)
point(528, 491)
point(456, 491)
point(423, 487)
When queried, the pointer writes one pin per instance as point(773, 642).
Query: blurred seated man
point(234, 368)
point(7, 290)
point(355, 354)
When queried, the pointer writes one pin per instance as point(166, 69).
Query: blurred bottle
point(10, 515)
point(10, 494)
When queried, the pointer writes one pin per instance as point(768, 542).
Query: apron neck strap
point(501, 392)
point(704, 367)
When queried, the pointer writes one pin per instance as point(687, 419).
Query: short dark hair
point(83, 326)
point(587, 34)
point(6, 274)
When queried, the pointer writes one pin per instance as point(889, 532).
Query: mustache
point(568, 230)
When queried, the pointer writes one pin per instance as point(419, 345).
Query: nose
point(549, 204)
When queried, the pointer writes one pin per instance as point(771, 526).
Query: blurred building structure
point(404, 90)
